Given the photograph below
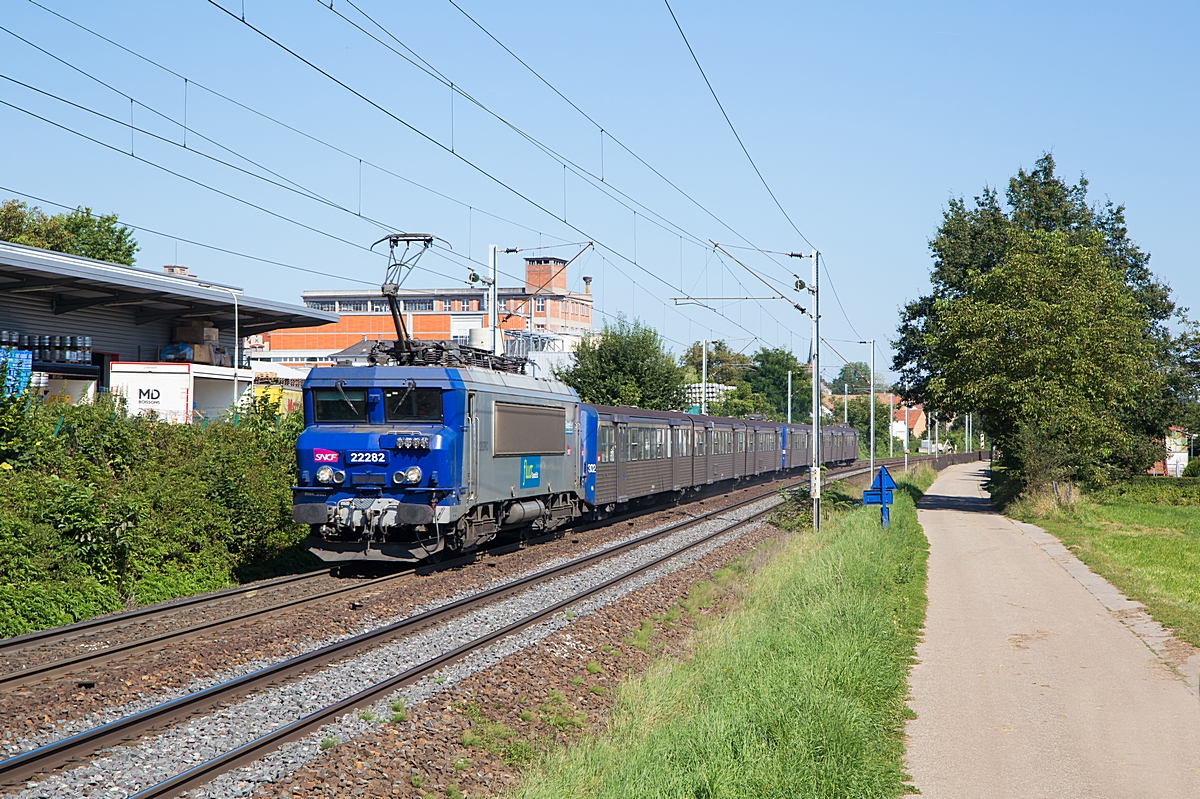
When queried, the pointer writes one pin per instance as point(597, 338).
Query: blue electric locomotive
point(437, 448)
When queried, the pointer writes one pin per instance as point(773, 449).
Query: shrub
point(100, 510)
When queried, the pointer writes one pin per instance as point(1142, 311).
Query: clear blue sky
point(864, 118)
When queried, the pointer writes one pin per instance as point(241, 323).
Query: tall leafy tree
point(627, 363)
point(768, 377)
point(1044, 317)
point(79, 232)
point(726, 366)
point(854, 376)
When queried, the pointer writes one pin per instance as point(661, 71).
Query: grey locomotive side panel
point(529, 429)
point(522, 447)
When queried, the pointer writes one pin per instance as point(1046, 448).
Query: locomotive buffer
point(880, 493)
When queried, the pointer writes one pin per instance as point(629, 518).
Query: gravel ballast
point(125, 770)
point(40, 712)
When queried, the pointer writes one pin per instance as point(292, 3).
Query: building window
point(541, 304)
point(321, 305)
point(503, 304)
point(418, 305)
point(352, 306)
point(379, 306)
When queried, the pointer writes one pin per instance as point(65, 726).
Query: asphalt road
point(1028, 686)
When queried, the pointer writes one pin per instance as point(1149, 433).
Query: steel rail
point(18, 769)
point(75, 664)
point(128, 649)
point(53, 635)
point(78, 663)
point(252, 751)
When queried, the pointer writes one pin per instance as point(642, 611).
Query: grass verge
point(799, 691)
point(1150, 550)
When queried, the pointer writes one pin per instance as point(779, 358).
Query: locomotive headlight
point(413, 474)
point(339, 477)
point(325, 474)
point(398, 478)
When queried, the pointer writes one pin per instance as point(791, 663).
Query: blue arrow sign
point(880, 493)
point(883, 479)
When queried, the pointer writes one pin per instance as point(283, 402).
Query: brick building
point(542, 306)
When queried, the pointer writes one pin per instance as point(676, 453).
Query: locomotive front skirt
point(408, 462)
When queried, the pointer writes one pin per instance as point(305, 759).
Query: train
point(410, 462)
point(436, 447)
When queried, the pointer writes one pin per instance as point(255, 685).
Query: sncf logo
point(325, 456)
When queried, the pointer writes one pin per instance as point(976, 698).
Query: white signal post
point(871, 390)
point(789, 396)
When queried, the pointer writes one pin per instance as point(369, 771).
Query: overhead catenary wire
point(192, 242)
point(189, 81)
point(298, 188)
point(457, 155)
point(604, 132)
point(729, 121)
point(412, 57)
point(750, 158)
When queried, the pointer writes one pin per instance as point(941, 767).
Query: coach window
point(701, 443)
point(606, 445)
point(660, 443)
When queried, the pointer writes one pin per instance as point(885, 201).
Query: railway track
point(80, 747)
point(96, 629)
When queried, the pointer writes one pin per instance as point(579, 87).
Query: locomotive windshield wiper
point(400, 402)
point(342, 391)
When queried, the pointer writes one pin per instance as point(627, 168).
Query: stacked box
point(17, 366)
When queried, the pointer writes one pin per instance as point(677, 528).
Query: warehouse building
point(78, 317)
point(544, 306)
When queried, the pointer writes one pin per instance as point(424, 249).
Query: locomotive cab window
point(344, 405)
point(413, 405)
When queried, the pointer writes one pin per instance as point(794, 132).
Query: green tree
point(79, 232)
point(853, 376)
point(741, 402)
point(725, 366)
point(768, 377)
point(627, 363)
point(859, 412)
point(1045, 318)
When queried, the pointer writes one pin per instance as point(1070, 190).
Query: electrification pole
point(816, 393)
point(845, 403)
point(704, 378)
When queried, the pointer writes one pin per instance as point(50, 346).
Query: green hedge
point(1155, 491)
point(99, 510)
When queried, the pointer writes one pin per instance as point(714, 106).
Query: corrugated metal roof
point(71, 283)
